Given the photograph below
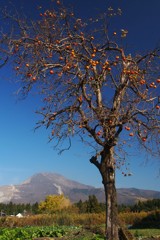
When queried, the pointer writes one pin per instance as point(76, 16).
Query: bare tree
point(90, 88)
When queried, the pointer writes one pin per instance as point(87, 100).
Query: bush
point(129, 218)
point(65, 219)
point(54, 219)
point(150, 221)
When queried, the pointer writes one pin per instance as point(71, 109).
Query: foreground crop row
point(31, 233)
point(68, 233)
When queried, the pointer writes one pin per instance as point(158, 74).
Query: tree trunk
point(106, 166)
point(107, 170)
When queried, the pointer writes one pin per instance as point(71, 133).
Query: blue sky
point(24, 152)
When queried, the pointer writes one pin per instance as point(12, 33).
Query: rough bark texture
point(114, 230)
point(111, 212)
point(108, 175)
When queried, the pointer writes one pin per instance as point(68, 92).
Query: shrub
point(150, 221)
point(130, 218)
point(54, 219)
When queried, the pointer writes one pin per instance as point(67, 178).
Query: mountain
point(40, 185)
point(131, 196)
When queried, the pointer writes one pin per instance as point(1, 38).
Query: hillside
point(37, 187)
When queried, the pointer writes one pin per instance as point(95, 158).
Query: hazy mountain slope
point(133, 195)
point(37, 187)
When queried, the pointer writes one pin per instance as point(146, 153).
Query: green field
point(143, 233)
point(30, 233)
point(73, 226)
point(67, 232)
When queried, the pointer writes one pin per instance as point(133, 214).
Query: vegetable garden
point(52, 232)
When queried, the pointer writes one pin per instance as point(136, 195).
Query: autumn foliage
point(88, 83)
point(54, 203)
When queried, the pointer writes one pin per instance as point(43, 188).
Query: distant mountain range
point(36, 188)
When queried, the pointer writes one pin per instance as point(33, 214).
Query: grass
point(144, 233)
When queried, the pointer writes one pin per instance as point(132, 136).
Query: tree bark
point(107, 170)
point(106, 166)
